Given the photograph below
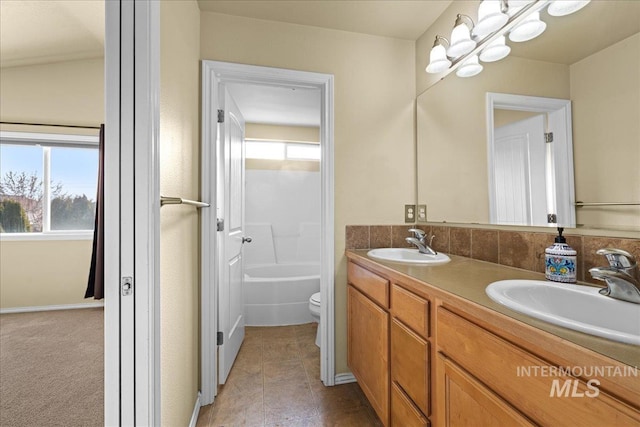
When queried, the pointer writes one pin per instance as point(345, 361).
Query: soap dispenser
point(560, 260)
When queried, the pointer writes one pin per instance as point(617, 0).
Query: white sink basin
point(576, 307)
point(408, 256)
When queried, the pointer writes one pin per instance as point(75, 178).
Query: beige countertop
point(467, 278)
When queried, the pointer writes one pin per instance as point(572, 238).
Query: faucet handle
point(419, 234)
point(618, 258)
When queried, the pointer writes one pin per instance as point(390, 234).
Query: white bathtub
point(278, 294)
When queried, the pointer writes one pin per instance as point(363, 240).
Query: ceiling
point(568, 39)
point(36, 32)
point(277, 105)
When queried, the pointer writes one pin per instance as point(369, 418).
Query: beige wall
point(37, 272)
point(179, 230)
point(605, 95)
point(70, 92)
point(282, 133)
point(452, 138)
point(374, 109)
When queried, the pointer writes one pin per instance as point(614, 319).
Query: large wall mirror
point(591, 58)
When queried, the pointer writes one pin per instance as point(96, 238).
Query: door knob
point(246, 239)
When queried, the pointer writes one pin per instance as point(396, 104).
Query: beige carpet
point(51, 368)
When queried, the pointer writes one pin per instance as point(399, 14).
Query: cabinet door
point(548, 399)
point(403, 412)
point(410, 364)
point(368, 350)
point(468, 403)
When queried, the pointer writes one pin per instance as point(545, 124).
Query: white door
point(519, 168)
point(231, 303)
point(132, 346)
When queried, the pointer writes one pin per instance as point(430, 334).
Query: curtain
point(95, 285)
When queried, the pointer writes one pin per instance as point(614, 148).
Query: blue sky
point(75, 168)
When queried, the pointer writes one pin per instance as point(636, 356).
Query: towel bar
point(579, 204)
point(180, 201)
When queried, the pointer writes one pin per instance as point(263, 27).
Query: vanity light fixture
point(520, 19)
point(495, 51)
point(528, 29)
point(566, 7)
point(438, 61)
point(491, 17)
point(461, 42)
point(470, 67)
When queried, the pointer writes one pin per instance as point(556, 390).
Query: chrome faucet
point(622, 276)
point(420, 240)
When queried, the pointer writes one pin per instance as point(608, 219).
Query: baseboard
point(52, 307)
point(196, 412)
point(344, 378)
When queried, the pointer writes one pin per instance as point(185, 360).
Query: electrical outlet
point(409, 214)
point(422, 213)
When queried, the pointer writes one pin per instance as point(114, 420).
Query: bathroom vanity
point(429, 347)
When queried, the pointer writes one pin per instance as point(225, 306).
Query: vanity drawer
point(525, 381)
point(372, 285)
point(403, 411)
point(410, 364)
point(411, 309)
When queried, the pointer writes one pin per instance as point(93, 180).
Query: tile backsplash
point(520, 249)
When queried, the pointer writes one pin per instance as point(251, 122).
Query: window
point(48, 182)
point(273, 150)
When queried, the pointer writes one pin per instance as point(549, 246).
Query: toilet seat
point(315, 299)
point(314, 309)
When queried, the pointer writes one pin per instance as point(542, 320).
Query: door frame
point(559, 117)
point(214, 73)
point(132, 213)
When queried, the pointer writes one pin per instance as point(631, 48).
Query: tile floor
point(275, 381)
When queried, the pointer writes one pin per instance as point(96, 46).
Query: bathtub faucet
point(420, 240)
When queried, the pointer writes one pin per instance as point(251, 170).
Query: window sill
point(60, 235)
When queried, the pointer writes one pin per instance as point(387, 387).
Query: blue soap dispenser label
point(560, 261)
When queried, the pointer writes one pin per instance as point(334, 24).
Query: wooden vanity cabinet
point(483, 374)
point(388, 349)
point(368, 336)
point(425, 356)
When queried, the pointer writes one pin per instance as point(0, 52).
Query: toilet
point(314, 309)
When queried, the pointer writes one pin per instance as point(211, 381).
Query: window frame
point(285, 149)
point(48, 141)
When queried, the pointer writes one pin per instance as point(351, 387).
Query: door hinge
point(126, 286)
point(220, 116)
point(220, 224)
point(548, 137)
point(552, 219)
point(220, 338)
